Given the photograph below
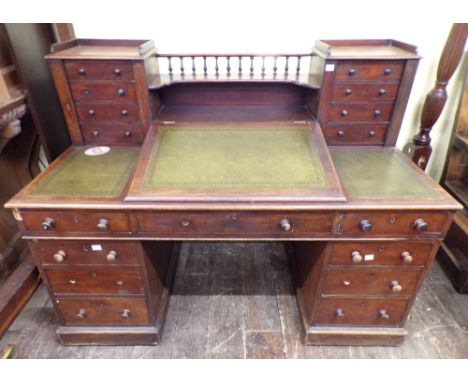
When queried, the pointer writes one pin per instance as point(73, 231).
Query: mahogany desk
point(305, 159)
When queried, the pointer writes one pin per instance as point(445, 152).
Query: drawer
point(401, 253)
point(112, 134)
point(53, 222)
point(108, 112)
point(365, 92)
point(357, 134)
point(363, 312)
point(364, 224)
point(371, 281)
point(372, 112)
point(369, 70)
point(95, 281)
point(99, 70)
point(242, 224)
point(103, 311)
point(116, 91)
point(87, 252)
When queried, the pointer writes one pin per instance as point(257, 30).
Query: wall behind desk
point(293, 26)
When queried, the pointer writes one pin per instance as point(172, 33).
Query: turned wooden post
point(435, 100)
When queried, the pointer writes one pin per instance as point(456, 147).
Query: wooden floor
point(235, 300)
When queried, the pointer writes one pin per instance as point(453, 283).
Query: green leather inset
point(254, 158)
point(80, 175)
point(378, 174)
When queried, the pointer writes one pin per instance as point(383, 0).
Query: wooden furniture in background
point(232, 156)
point(453, 253)
point(420, 149)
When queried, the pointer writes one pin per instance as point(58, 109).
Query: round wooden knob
point(48, 224)
point(96, 133)
point(387, 71)
point(339, 313)
point(285, 225)
point(377, 113)
point(356, 256)
point(382, 314)
point(103, 224)
point(351, 72)
point(406, 257)
point(91, 112)
point(117, 72)
point(340, 133)
point(59, 256)
point(365, 225)
point(81, 314)
point(125, 314)
point(86, 92)
point(371, 133)
point(346, 282)
point(111, 256)
point(344, 113)
point(395, 286)
point(382, 92)
point(420, 225)
point(348, 92)
point(121, 92)
point(124, 113)
point(119, 282)
point(81, 71)
point(128, 133)
point(72, 282)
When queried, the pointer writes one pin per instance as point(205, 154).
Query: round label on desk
point(98, 150)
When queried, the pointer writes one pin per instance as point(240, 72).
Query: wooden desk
point(227, 159)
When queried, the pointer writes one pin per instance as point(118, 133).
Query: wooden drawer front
point(53, 222)
point(401, 253)
point(87, 252)
point(365, 92)
point(103, 91)
point(99, 70)
point(355, 311)
point(112, 134)
point(390, 223)
point(95, 281)
point(358, 134)
point(371, 281)
point(370, 70)
point(372, 112)
point(234, 224)
point(103, 311)
point(108, 112)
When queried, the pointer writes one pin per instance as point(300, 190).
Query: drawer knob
point(387, 71)
point(382, 314)
point(48, 224)
point(125, 314)
point(117, 72)
point(91, 112)
point(81, 71)
point(81, 314)
point(377, 113)
point(111, 256)
point(121, 92)
point(119, 282)
point(348, 92)
point(351, 72)
point(59, 256)
point(344, 113)
point(365, 225)
point(339, 313)
point(346, 282)
point(285, 225)
point(103, 224)
point(72, 282)
point(356, 256)
point(420, 225)
point(124, 113)
point(340, 133)
point(382, 92)
point(128, 133)
point(86, 92)
point(96, 133)
point(406, 257)
point(371, 133)
point(395, 286)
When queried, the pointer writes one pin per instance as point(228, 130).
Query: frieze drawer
point(370, 70)
point(94, 70)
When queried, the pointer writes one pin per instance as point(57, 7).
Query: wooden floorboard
point(236, 300)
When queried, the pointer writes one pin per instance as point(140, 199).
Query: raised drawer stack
point(104, 98)
point(364, 91)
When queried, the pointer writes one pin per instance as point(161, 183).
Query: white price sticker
point(96, 247)
point(330, 67)
point(369, 257)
